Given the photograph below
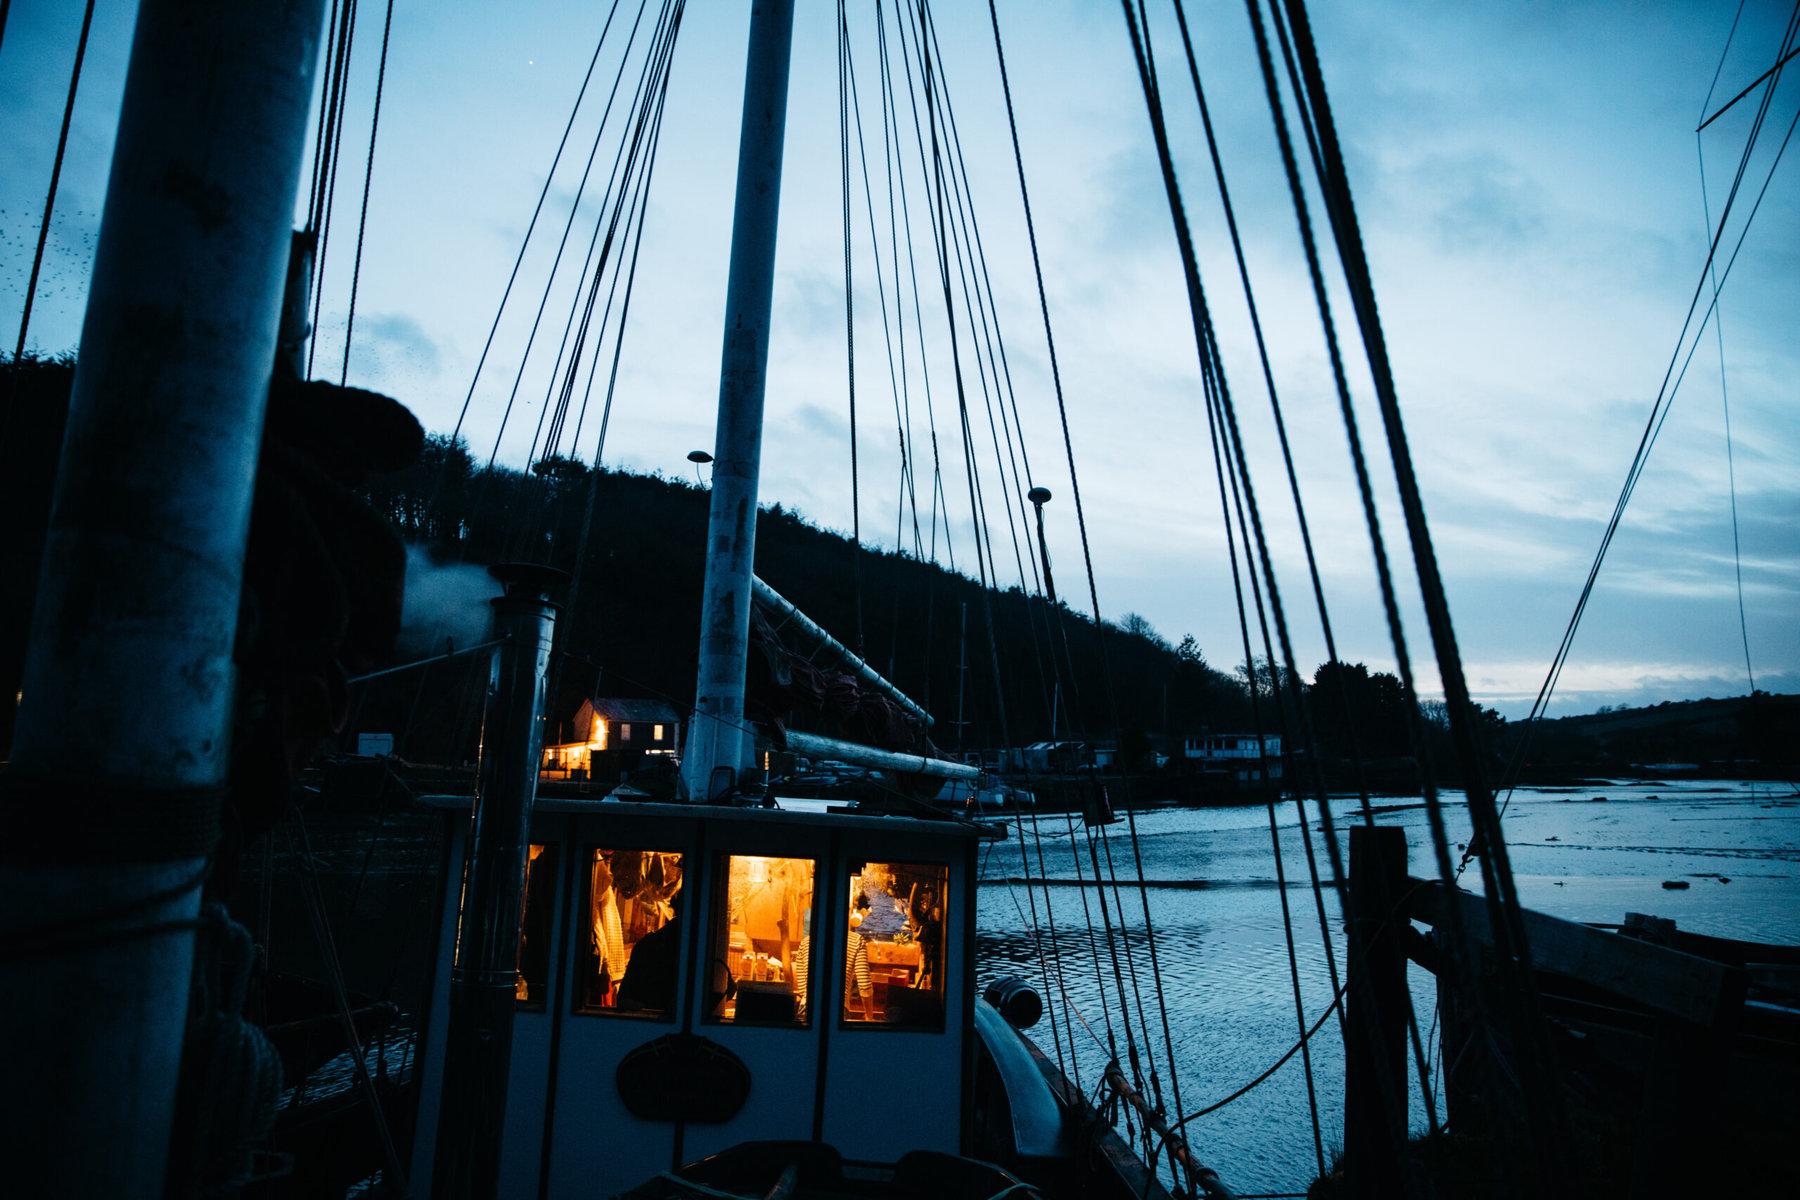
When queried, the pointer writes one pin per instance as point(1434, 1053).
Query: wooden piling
point(1375, 1048)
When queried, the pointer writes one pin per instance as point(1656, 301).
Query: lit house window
point(625, 732)
point(894, 946)
point(629, 936)
point(761, 941)
point(531, 984)
point(658, 736)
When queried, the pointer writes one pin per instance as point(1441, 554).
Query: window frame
point(552, 854)
point(841, 950)
point(718, 928)
point(583, 956)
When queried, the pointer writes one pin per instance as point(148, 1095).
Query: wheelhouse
point(694, 977)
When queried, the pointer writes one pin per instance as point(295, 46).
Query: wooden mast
point(719, 746)
point(124, 728)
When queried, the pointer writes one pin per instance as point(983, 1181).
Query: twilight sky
point(1528, 183)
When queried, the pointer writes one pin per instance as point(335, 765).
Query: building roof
point(635, 710)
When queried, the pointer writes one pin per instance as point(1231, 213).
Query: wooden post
point(1375, 1049)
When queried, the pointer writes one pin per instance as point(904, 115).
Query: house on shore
point(1234, 755)
point(609, 736)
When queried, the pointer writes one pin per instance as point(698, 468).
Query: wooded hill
point(632, 628)
point(1750, 736)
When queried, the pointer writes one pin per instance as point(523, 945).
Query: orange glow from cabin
point(598, 740)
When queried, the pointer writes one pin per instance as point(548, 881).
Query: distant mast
point(720, 747)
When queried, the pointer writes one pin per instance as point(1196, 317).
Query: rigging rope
point(1664, 401)
point(362, 223)
point(1081, 523)
point(325, 165)
point(62, 144)
point(1544, 1098)
point(531, 226)
point(1287, 919)
point(1287, 456)
point(843, 53)
point(1737, 550)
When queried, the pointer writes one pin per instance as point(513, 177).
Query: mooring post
point(120, 753)
point(478, 1040)
point(1375, 1120)
point(717, 740)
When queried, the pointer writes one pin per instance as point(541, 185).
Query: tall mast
point(120, 754)
point(719, 745)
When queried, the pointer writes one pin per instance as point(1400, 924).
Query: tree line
point(995, 667)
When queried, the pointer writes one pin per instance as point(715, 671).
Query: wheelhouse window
point(628, 959)
point(531, 987)
point(894, 946)
point(761, 941)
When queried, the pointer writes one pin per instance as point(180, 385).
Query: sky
point(1528, 184)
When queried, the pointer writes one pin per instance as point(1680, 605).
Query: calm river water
point(1586, 854)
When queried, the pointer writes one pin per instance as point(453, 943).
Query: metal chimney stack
point(478, 1052)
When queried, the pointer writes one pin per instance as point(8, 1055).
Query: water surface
point(1585, 854)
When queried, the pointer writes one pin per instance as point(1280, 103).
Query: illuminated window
point(894, 946)
point(531, 988)
point(761, 941)
point(629, 935)
point(659, 734)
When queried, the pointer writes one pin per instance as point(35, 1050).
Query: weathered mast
point(124, 729)
point(719, 746)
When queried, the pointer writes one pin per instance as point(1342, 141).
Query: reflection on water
point(1589, 854)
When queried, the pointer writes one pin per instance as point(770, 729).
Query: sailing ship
point(689, 998)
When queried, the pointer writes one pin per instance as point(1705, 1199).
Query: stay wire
point(587, 516)
point(1005, 367)
point(976, 311)
point(1232, 505)
point(1545, 1102)
point(938, 496)
point(945, 231)
point(978, 283)
point(362, 223)
point(622, 207)
point(330, 51)
point(636, 210)
point(531, 225)
point(327, 196)
point(1037, 838)
point(62, 144)
point(621, 185)
point(1211, 363)
point(902, 435)
point(1081, 520)
point(1659, 408)
point(940, 224)
point(843, 98)
point(949, 232)
point(1737, 548)
point(1287, 456)
point(893, 164)
point(575, 206)
point(631, 276)
point(1205, 338)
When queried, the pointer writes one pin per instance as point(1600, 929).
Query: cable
point(62, 144)
point(531, 225)
point(362, 223)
